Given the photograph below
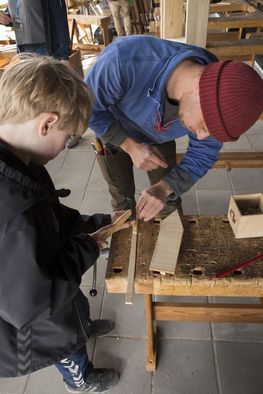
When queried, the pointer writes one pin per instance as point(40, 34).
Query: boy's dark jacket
point(43, 314)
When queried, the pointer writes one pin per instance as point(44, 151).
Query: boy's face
point(52, 144)
point(49, 141)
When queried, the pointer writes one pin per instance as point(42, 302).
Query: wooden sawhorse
point(208, 247)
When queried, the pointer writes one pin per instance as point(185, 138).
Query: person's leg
point(42, 50)
point(75, 368)
point(168, 151)
point(115, 11)
point(125, 13)
point(117, 170)
point(80, 376)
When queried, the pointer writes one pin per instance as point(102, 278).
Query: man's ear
point(46, 122)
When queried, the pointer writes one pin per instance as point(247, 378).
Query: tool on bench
point(108, 232)
point(239, 265)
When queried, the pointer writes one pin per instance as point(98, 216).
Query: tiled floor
point(193, 358)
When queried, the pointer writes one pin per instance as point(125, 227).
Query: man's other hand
point(152, 201)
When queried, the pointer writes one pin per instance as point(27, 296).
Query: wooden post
point(151, 348)
point(171, 18)
point(197, 12)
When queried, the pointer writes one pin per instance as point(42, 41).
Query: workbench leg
point(150, 333)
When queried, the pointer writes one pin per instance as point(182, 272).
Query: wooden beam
point(197, 12)
point(230, 160)
point(171, 18)
point(208, 312)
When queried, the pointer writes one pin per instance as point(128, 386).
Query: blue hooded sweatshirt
point(128, 81)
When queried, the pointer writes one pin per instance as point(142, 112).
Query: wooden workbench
point(208, 247)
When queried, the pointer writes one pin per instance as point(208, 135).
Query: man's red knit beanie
point(231, 97)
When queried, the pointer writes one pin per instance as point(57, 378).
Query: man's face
point(191, 117)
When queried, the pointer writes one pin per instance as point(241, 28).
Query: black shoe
point(100, 328)
point(99, 381)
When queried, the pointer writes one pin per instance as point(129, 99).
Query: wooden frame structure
point(208, 247)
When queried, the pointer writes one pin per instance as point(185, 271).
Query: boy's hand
point(103, 233)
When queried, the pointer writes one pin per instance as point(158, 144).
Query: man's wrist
point(166, 189)
point(127, 145)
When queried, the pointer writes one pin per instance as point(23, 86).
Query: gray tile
point(74, 200)
point(256, 141)
point(53, 165)
point(128, 357)
point(215, 179)
point(79, 159)
point(237, 332)
point(182, 329)
point(257, 128)
point(129, 319)
point(189, 202)
point(240, 367)
point(96, 202)
point(84, 143)
point(46, 381)
point(182, 144)
point(95, 302)
point(247, 178)
point(141, 180)
point(213, 202)
point(185, 367)
point(96, 181)
point(13, 385)
point(242, 144)
point(71, 179)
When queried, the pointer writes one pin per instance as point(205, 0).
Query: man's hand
point(144, 156)
point(152, 201)
point(5, 19)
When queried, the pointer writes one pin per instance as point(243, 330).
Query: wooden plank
point(168, 244)
point(208, 312)
point(171, 18)
point(222, 36)
point(230, 160)
point(197, 12)
point(132, 264)
point(234, 22)
point(244, 48)
point(230, 7)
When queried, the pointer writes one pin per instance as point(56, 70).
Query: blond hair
point(32, 85)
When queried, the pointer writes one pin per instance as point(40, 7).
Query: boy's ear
point(47, 121)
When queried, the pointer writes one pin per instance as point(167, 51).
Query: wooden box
point(245, 215)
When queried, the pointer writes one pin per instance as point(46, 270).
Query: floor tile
point(96, 202)
point(185, 367)
point(46, 381)
point(13, 385)
point(183, 329)
point(215, 179)
point(247, 178)
point(242, 144)
point(79, 159)
point(129, 319)
point(128, 357)
point(213, 202)
point(189, 203)
point(240, 367)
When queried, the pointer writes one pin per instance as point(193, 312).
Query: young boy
point(45, 246)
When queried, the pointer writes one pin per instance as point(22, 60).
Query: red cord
point(239, 265)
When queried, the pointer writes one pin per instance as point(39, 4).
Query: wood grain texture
point(168, 244)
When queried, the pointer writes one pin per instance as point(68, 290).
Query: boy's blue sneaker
point(99, 381)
